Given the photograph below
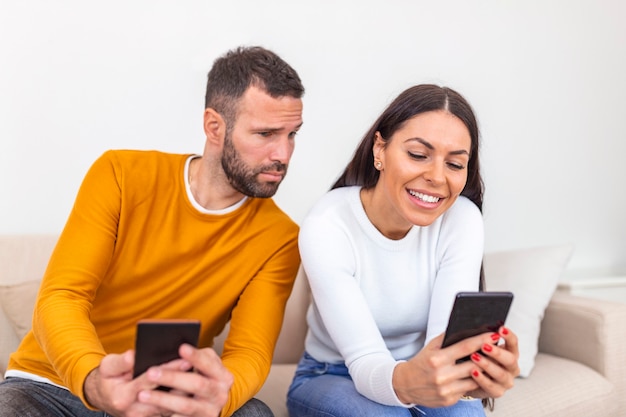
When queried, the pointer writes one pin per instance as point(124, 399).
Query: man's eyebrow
point(431, 147)
point(275, 129)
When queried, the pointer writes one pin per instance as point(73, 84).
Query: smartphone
point(474, 313)
point(157, 341)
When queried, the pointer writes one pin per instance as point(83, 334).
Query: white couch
point(579, 370)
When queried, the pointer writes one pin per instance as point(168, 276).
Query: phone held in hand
point(158, 340)
point(474, 313)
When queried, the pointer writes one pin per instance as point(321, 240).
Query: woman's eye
point(417, 155)
point(456, 166)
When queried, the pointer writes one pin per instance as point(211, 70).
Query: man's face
point(258, 148)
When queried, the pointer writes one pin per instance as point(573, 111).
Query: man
point(155, 235)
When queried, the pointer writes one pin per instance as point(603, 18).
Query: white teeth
point(424, 197)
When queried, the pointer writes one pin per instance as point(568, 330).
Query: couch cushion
point(8, 342)
point(566, 389)
point(24, 257)
point(17, 302)
point(532, 275)
point(559, 387)
point(274, 391)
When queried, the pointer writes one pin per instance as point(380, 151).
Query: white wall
point(546, 78)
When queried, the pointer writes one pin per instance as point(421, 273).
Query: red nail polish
point(487, 348)
point(505, 331)
point(495, 337)
point(475, 357)
point(475, 373)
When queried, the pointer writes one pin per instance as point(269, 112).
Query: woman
point(385, 252)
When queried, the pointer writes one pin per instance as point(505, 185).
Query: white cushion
point(531, 275)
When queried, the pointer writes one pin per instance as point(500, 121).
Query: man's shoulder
point(133, 156)
point(267, 207)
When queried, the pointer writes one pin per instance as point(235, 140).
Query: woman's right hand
point(432, 378)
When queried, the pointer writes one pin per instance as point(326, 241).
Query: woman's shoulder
point(335, 207)
point(335, 200)
point(464, 206)
point(462, 212)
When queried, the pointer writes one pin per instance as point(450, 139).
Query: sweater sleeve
point(328, 258)
point(61, 323)
point(256, 322)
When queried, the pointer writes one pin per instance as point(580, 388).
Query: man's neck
point(209, 186)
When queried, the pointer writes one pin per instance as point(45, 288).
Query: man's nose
point(282, 149)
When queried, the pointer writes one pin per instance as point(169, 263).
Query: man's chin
point(266, 190)
point(267, 193)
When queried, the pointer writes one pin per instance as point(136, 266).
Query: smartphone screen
point(474, 313)
point(157, 341)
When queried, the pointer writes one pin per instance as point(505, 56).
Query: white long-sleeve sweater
point(377, 301)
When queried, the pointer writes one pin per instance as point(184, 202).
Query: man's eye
point(293, 134)
point(265, 134)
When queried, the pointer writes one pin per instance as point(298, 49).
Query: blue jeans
point(326, 390)
point(26, 398)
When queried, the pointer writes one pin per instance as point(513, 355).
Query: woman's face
point(423, 170)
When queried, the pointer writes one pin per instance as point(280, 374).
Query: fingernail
point(475, 373)
point(153, 373)
point(495, 337)
point(144, 395)
point(487, 348)
point(505, 331)
point(475, 357)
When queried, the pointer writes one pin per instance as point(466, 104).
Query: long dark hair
point(411, 102)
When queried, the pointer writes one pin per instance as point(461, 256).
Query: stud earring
point(379, 165)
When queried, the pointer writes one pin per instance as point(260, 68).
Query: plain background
point(547, 80)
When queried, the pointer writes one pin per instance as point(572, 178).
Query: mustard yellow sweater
point(134, 247)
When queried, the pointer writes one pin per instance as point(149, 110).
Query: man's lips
point(273, 175)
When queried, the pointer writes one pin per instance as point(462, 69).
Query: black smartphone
point(157, 341)
point(474, 313)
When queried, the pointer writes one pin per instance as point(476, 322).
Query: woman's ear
point(214, 125)
point(378, 147)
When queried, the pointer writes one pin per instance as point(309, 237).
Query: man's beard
point(244, 178)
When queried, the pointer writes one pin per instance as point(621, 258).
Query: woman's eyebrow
point(431, 147)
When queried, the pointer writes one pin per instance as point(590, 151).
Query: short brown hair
point(234, 72)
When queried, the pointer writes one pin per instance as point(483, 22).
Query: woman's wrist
point(399, 382)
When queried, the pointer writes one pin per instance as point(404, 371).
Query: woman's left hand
point(496, 366)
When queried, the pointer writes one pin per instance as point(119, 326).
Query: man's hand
point(202, 393)
point(111, 387)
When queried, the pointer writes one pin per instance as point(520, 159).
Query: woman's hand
point(496, 366)
point(432, 378)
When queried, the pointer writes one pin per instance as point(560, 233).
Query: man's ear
point(214, 125)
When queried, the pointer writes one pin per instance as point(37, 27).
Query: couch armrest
point(589, 331)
